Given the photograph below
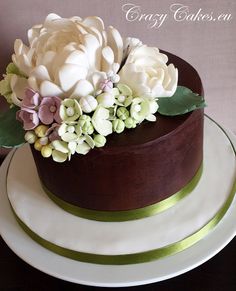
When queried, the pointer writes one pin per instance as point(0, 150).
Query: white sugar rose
point(147, 74)
point(63, 54)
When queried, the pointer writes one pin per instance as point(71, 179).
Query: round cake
point(137, 168)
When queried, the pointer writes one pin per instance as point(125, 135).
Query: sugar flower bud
point(41, 130)
point(122, 113)
point(88, 103)
point(106, 85)
point(30, 137)
point(46, 151)
point(130, 122)
point(99, 140)
point(37, 145)
point(118, 125)
point(43, 140)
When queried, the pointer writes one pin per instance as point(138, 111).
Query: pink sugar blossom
point(31, 100)
point(29, 118)
point(49, 110)
point(106, 85)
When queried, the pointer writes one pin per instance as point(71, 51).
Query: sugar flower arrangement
point(76, 83)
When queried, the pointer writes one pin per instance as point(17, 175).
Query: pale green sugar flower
point(83, 146)
point(122, 113)
point(85, 124)
point(100, 121)
point(70, 110)
point(143, 109)
point(60, 151)
point(99, 140)
point(118, 125)
point(70, 133)
point(139, 109)
point(124, 97)
point(130, 123)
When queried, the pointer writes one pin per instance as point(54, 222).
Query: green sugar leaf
point(183, 101)
point(11, 130)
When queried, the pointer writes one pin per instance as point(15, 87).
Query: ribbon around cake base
point(136, 257)
point(126, 215)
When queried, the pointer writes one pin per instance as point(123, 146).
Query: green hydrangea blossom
point(101, 122)
point(70, 110)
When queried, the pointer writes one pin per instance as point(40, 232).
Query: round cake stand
point(110, 275)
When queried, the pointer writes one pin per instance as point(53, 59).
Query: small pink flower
point(106, 85)
point(49, 110)
point(29, 118)
point(31, 100)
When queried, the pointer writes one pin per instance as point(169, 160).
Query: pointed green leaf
point(11, 130)
point(183, 101)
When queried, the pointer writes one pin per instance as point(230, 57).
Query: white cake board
point(112, 276)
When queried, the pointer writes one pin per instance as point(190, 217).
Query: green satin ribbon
point(137, 257)
point(125, 215)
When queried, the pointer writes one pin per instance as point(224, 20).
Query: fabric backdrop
point(209, 45)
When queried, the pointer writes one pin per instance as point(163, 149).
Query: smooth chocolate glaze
point(137, 168)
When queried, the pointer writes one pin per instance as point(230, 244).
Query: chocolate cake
point(137, 168)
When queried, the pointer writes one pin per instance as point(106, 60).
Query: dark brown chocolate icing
point(137, 168)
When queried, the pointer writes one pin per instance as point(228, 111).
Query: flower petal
point(70, 74)
point(82, 89)
point(95, 22)
point(41, 73)
point(107, 59)
point(58, 156)
point(48, 88)
point(116, 43)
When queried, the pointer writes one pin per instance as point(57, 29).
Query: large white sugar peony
point(147, 74)
point(63, 54)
